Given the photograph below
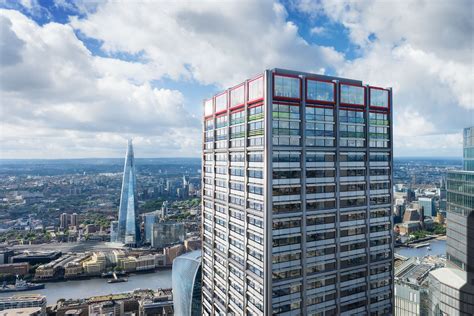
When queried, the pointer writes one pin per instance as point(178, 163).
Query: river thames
point(91, 287)
point(438, 248)
point(162, 279)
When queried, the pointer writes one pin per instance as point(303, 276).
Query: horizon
point(144, 158)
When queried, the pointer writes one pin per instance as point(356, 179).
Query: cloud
point(318, 30)
point(211, 42)
point(424, 50)
point(54, 91)
point(58, 96)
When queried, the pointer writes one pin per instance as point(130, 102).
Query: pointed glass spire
point(128, 227)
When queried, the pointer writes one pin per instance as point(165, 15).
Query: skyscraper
point(128, 231)
point(297, 177)
point(186, 282)
point(452, 289)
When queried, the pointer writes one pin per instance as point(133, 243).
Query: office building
point(410, 295)
point(429, 206)
point(468, 148)
point(128, 231)
point(452, 288)
point(296, 206)
point(149, 219)
point(113, 231)
point(167, 233)
point(74, 220)
point(63, 221)
point(460, 211)
point(186, 281)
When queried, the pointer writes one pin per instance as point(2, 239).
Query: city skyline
point(71, 104)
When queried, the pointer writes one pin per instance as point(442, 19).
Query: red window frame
point(212, 108)
point(352, 108)
point(230, 96)
point(285, 98)
point(236, 110)
point(226, 102)
point(254, 105)
point(320, 101)
point(321, 106)
point(389, 105)
point(352, 104)
point(286, 103)
point(259, 77)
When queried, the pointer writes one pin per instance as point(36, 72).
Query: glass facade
point(468, 150)
point(297, 203)
point(320, 91)
point(187, 284)
point(128, 231)
point(379, 97)
point(287, 87)
point(353, 95)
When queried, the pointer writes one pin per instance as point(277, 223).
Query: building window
point(208, 109)
point(379, 97)
point(237, 96)
point(255, 157)
point(320, 90)
point(353, 95)
point(352, 125)
point(221, 121)
point(237, 131)
point(209, 124)
point(256, 89)
point(254, 189)
point(256, 173)
point(256, 113)
point(285, 156)
point(287, 87)
point(221, 102)
point(256, 128)
point(237, 117)
point(255, 142)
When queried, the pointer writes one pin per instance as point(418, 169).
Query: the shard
point(127, 229)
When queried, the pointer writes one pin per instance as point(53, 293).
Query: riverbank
point(74, 289)
point(436, 248)
point(96, 276)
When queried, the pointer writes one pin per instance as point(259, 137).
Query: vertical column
point(303, 191)
point(367, 189)
point(267, 204)
point(337, 177)
point(392, 274)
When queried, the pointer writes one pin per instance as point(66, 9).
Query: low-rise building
point(410, 294)
point(21, 268)
point(172, 252)
point(24, 301)
point(95, 264)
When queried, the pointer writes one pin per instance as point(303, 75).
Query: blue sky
point(79, 77)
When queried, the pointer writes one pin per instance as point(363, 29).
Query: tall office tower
point(74, 220)
point(297, 174)
point(451, 289)
point(128, 231)
point(186, 281)
point(63, 221)
point(460, 204)
point(468, 148)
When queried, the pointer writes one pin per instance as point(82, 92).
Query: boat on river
point(20, 285)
